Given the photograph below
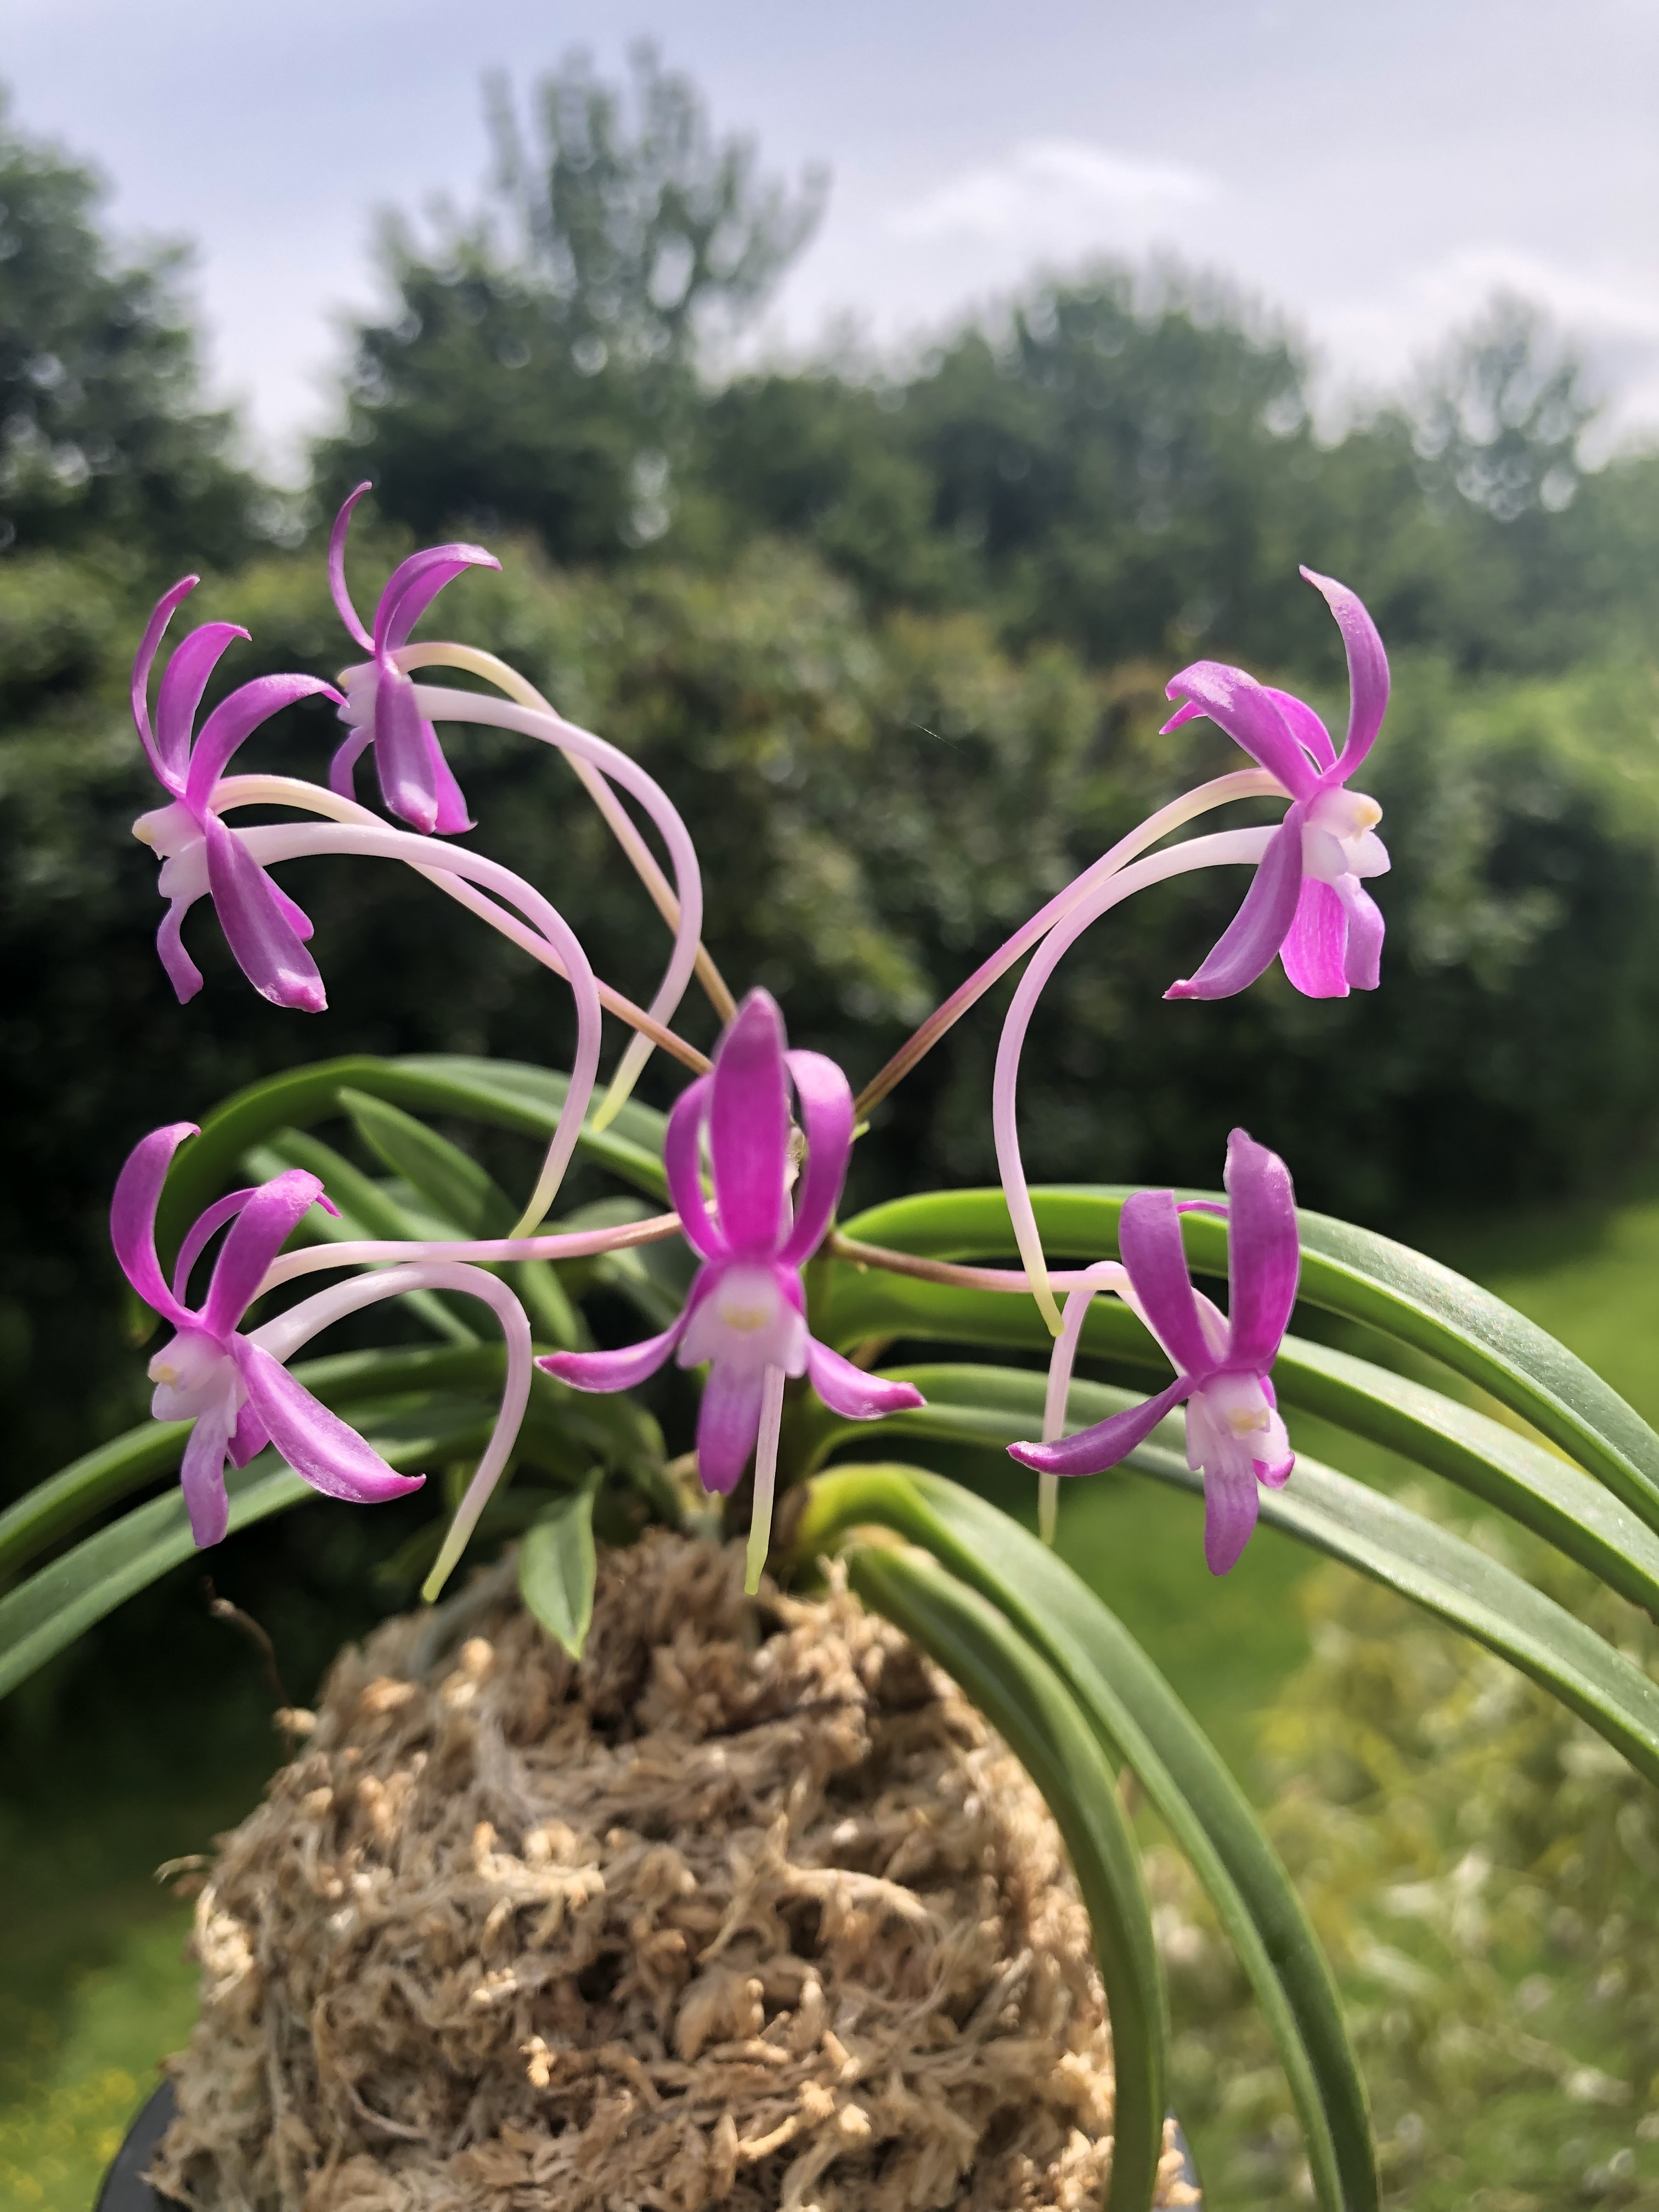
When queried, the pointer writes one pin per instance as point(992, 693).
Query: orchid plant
point(790, 1317)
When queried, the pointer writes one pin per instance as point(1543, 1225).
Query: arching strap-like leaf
point(504, 1094)
point(41, 1616)
point(1347, 1271)
point(365, 1210)
point(1141, 1721)
point(1461, 1585)
point(466, 1196)
point(1026, 1702)
point(995, 1406)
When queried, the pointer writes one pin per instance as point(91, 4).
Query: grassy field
point(94, 1985)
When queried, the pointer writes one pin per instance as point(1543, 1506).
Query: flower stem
point(291, 791)
point(1235, 847)
point(1242, 783)
point(766, 1475)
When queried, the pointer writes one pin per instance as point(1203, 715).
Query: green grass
point(94, 1986)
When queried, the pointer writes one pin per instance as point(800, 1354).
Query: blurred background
point(871, 414)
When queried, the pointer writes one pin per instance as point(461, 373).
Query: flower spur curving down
point(1222, 1363)
point(263, 928)
point(1307, 901)
point(417, 781)
point(239, 1396)
point(746, 1315)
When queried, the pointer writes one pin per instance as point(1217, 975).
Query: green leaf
point(53, 1509)
point(1347, 1271)
point(1141, 1720)
point(468, 1198)
point(366, 1211)
point(1022, 1698)
point(558, 1568)
point(1460, 1585)
point(41, 1616)
point(503, 1093)
point(995, 1406)
point(46, 1613)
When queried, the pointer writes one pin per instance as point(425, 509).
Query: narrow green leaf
point(1141, 1721)
point(558, 1566)
point(466, 1197)
point(46, 1613)
point(366, 1211)
point(1348, 1271)
point(41, 1616)
point(1022, 1698)
point(53, 1509)
point(995, 1406)
point(1461, 1584)
point(505, 1093)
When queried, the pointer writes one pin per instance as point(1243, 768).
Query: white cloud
point(1609, 313)
point(1053, 196)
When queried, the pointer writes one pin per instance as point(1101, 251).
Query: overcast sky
point(1373, 170)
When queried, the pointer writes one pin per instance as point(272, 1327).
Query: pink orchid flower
point(1222, 1362)
point(417, 781)
point(1307, 901)
point(745, 1316)
point(239, 1396)
point(263, 928)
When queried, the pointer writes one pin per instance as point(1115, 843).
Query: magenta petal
point(194, 1243)
point(144, 660)
point(336, 582)
point(401, 758)
point(296, 916)
point(1232, 1503)
point(193, 662)
point(249, 1436)
point(683, 1169)
point(1250, 714)
point(1149, 1238)
point(1247, 945)
point(1264, 1257)
point(133, 1217)
point(728, 1422)
point(1091, 1451)
point(615, 1370)
point(182, 972)
point(345, 759)
point(452, 816)
point(1315, 943)
point(316, 1444)
point(826, 1100)
point(1368, 670)
point(849, 1391)
point(202, 1475)
point(267, 949)
point(415, 583)
point(234, 720)
point(1362, 957)
point(1306, 727)
point(262, 1226)
point(749, 1128)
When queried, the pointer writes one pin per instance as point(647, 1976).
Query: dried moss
point(748, 1909)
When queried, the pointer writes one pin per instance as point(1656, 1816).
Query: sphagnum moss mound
point(748, 1908)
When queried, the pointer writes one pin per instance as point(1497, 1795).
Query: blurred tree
point(540, 370)
point(103, 436)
